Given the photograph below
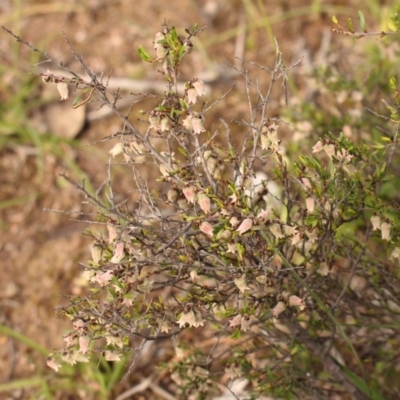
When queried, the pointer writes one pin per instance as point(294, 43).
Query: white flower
point(192, 318)
point(194, 122)
point(376, 222)
point(192, 95)
point(62, 88)
point(395, 253)
point(199, 86)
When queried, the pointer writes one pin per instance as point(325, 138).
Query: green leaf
point(76, 99)
point(350, 25)
point(335, 20)
point(361, 384)
point(361, 18)
point(174, 35)
point(237, 334)
point(144, 55)
point(183, 151)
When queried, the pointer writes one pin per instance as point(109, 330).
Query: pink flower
point(197, 123)
point(112, 233)
point(235, 321)
point(278, 309)
point(119, 253)
point(53, 364)
point(199, 86)
point(245, 226)
point(103, 278)
point(310, 203)
point(306, 183)
point(189, 194)
point(192, 95)
point(204, 203)
point(263, 215)
point(297, 301)
point(244, 323)
point(84, 344)
point(194, 122)
point(207, 228)
point(318, 147)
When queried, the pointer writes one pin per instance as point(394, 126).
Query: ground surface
point(40, 251)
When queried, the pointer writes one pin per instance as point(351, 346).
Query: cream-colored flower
point(117, 149)
point(376, 222)
point(276, 230)
point(385, 231)
point(192, 318)
point(241, 283)
point(62, 88)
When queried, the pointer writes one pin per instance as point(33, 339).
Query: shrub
point(253, 262)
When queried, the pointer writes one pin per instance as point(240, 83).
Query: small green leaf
point(335, 20)
point(76, 99)
point(144, 55)
point(350, 25)
point(237, 334)
point(182, 151)
point(392, 83)
point(174, 35)
point(361, 18)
